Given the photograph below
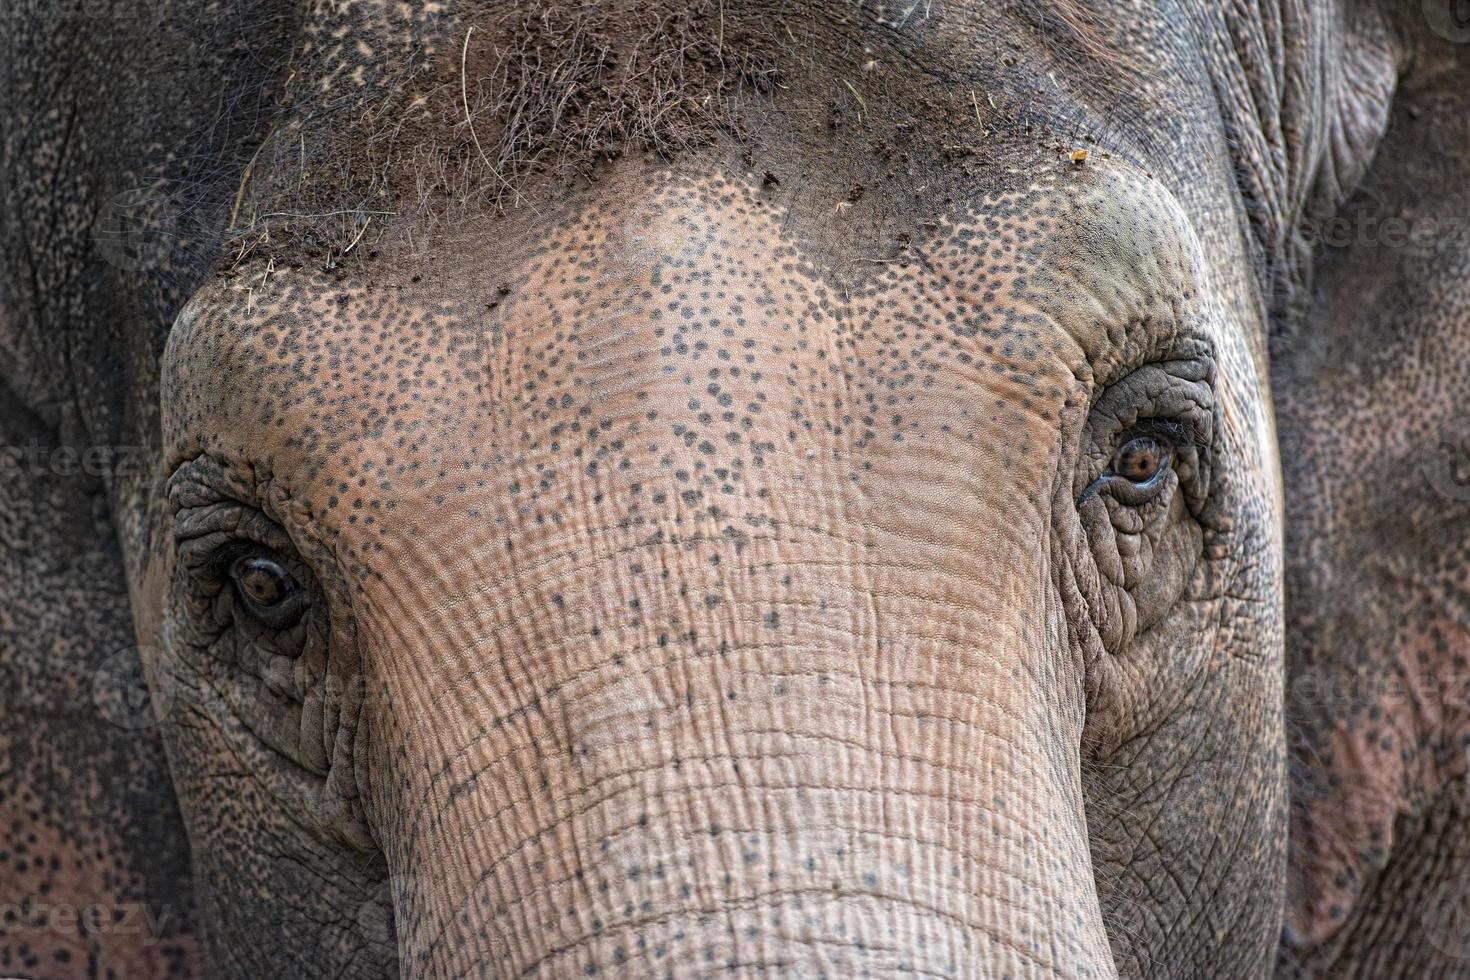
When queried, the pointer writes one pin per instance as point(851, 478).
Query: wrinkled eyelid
point(222, 562)
point(206, 480)
point(209, 538)
point(205, 521)
point(1180, 434)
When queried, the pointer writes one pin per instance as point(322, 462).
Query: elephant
point(893, 488)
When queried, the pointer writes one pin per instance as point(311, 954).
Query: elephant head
point(666, 489)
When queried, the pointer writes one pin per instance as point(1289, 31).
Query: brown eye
point(1142, 459)
point(262, 582)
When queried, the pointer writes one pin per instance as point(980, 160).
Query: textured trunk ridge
point(801, 794)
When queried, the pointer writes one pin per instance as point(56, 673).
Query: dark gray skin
point(1370, 394)
point(853, 539)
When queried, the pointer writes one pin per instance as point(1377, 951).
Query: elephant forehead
point(695, 329)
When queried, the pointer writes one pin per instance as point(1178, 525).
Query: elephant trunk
point(751, 753)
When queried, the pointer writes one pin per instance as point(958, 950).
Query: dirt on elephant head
point(391, 117)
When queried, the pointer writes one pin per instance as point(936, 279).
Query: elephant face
point(680, 487)
point(630, 593)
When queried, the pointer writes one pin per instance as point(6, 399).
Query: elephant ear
point(94, 868)
point(124, 128)
point(1372, 392)
point(95, 861)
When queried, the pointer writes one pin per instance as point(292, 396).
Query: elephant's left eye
point(267, 589)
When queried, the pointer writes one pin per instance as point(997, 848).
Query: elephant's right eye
point(1141, 460)
point(267, 589)
point(242, 568)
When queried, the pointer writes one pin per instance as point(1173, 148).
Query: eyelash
point(223, 560)
point(1172, 431)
